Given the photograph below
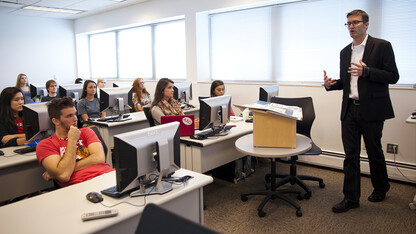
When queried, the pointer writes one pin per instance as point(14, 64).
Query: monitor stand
point(160, 188)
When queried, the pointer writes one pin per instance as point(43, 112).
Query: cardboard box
point(273, 130)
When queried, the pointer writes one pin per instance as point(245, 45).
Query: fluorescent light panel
point(50, 9)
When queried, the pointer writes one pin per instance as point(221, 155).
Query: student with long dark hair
point(218, 89)
point(89, 105)
point(11, 123)
point(164, 103)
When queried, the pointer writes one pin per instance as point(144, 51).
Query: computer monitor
point(71, 90)
point(122, 84)
point(36, 121)
point(267, 92)
point(183, 93)
point(142, 153)
point(38, 91)
point(214, 112)
point(116, 100)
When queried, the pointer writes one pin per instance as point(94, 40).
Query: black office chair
point(302, 127)
point(150, 222)
point(149, 116)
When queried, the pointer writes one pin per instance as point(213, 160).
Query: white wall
point(326, 130)
point(41, 48)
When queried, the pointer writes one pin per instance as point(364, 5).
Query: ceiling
point(89, 7)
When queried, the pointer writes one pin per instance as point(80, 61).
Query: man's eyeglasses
point(141, 82)
point(354, 23)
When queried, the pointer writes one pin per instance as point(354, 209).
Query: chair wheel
point(300, 197)
point(244, 198)
point(261, 213)
point(267, 178)
point(299, 213)
point(321, 185)
point(308, 195)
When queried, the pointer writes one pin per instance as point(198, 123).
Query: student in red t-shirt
point(11, 124)
point(71, 155)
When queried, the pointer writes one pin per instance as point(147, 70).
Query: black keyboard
point(25, 150)
point(111, 117)
point(112, 191)
point(207, 133)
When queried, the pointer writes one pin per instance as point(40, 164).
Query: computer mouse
point(94, 197)
point(1, 153)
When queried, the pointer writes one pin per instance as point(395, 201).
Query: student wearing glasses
point(141, 97)
point(367, 68)
point(52, 89)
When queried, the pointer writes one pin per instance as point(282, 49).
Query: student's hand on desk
point(7, 138)
point(46, 176)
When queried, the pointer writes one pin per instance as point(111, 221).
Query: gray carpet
point(226, 212)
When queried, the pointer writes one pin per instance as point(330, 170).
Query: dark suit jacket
point(373, 90)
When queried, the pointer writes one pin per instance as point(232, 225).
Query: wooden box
point(273, 130)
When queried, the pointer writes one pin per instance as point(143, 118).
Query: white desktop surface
point(204, 155)
point(60, 211)
point(20, 174)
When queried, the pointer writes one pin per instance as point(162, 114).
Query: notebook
point(186, 123)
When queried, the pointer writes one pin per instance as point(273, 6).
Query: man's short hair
point(48, 83)
point(363, 14)
point(56, 105)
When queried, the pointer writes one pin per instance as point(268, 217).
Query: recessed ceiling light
point(50, 9)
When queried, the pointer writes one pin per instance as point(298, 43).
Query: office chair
point(149, 116)
point(302, 127)
point(155, 219)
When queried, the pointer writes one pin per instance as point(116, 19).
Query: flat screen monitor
point(214, 112)
point(267, 92)
point(36, 121)
point(142, 153)
point(71, 90)
point(183, 93)
point(116, 100)
point(38, 91)
point(122, 84)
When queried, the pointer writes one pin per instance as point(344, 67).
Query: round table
point(245, 145)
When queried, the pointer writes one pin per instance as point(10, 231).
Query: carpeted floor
point(226, 212)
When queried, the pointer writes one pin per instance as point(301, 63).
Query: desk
point(245, 145)
point(138, 121)
point(60, 211)
point(412, 205)
point(204, 155)
point(20, 174)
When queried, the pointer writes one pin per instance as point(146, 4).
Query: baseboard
point(396, 171)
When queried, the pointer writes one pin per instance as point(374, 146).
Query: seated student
point(218, 89)
point(164, 103)
point(100, 84)
point(141, 98)
point(89, 105)
point(71, 155)
point(11, 123)
point(23, 84)
point(52, 89)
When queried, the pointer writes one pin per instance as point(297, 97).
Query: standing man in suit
point(367, 68)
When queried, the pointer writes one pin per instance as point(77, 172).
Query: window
point(297, 41)
point(103, 55)
point(149, 51)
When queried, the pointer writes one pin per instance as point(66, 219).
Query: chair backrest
point(302, 127)
point(97, 132)
point(149, 116)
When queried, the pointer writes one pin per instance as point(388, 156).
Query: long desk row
point(204, 155)
point(20, 174)
point(60, 211)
